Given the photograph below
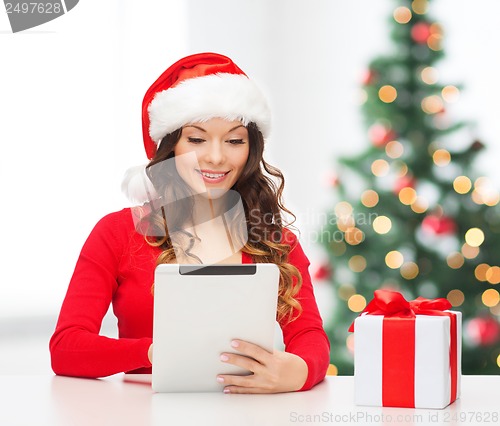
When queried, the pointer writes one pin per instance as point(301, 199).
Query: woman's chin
point(215, 193)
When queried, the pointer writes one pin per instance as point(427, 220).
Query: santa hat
point(195, 89)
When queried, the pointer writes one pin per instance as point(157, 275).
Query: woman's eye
point(236, 141)
point(195, 140)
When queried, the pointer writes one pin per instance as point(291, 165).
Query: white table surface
point(39, 400)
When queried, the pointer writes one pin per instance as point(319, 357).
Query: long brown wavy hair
point(260, 187)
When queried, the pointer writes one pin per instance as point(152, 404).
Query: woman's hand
point(272, 372)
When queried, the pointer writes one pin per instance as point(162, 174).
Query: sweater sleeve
point(305, 335)
point(76, 347)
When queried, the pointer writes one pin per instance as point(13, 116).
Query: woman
point(204, 124)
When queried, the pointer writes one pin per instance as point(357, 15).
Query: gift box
point(407, 354)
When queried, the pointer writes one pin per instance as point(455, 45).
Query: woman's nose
point(215, 152)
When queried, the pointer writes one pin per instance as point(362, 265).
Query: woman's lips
point(212, 176)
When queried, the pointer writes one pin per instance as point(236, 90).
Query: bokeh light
point(476, 197)
point(420, 205)
point(345, 222)
point(493, 275)
point(394, 259)
point(382, 225)
point(462, 184)
point(480, 271)
point(441, 157)
point(354, 236)
point(357, 263)
point(420, 33)
point(450, 94)
point(455, 260)
point(343, 211)
point(474, 237)
point(387, 94)
point(332, 370)
point(429, 75)
point(343, 208)
point(420, 6)
point(469, 252)
point(436, 37)
point(490, 297)
point(409, 270)
point(407, 196)
point(380, 168)
point(435, 42)
point(456, 297)
point(356, 303)
point(432, 104)
point(485, 192)
point(400, 168)
point(493, 200)
point(436, 28)
point(394, 149)
point(402, 15)
point(369, 198)
point(338, 247)
point(380, 134)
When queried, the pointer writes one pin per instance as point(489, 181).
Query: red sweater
point(117, 266)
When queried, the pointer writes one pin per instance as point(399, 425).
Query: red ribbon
point(398, 348)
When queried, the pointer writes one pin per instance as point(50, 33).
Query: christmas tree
point(410, 211)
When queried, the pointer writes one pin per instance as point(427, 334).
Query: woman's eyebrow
point(203, 130)
point(196, 127)
point(236, 127)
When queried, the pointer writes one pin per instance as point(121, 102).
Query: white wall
point(70, 111)
point(71, 92)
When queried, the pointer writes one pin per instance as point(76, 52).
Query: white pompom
point(137, 187)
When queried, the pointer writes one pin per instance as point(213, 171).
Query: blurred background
point(70, 105)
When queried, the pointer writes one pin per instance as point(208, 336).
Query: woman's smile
point(211, 177)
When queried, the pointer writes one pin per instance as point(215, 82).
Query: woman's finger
point(237, 389)
point(252, 350)
point(241, 361)
point(237, 381)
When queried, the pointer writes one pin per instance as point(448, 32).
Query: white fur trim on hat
point(198, 99)
point(137, 186)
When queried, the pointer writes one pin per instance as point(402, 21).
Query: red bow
point(393, 304)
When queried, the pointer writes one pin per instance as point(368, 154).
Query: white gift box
point(432, 387)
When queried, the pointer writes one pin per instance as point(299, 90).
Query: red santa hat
point(195, 89)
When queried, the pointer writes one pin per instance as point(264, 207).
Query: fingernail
point(235, 344)
point(226, 390)
point(224, 357)
point(220, 379)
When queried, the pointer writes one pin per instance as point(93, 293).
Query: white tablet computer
point(198, 310)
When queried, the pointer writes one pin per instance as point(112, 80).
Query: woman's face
point(210, 156)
